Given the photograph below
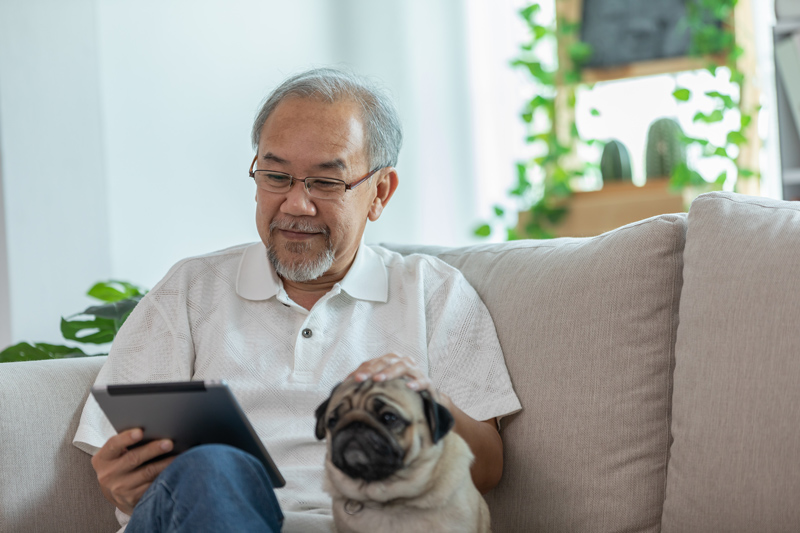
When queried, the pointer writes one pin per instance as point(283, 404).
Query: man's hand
point(391, 366)
point(120, 473)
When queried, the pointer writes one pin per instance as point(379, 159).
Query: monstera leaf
point(97, 324)
point(38, 351)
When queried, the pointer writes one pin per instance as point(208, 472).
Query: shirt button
point(307, 333)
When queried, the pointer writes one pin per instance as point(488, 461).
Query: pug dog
point(393, 465)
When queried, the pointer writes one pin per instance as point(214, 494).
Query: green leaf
point(97, 331)
point(114, 291)
point(117, 311)
point(736, 137)
point(594, 112)
point(580, 52)
point(682, 94)
point(23, 352)
point(537, 70)
point(512, 235)
point(720, 181)
point(727, 101)
point(746, 173)
point(715, 116)
point(499, 211)
point(483, 231)
point(745, 120)
point(59, 351)
point(721, 152)
point(571, 77)
point(539, 31)
point(530, 11)
point(692, 140)
point(38, 352)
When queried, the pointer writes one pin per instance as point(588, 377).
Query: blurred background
point(124, 127)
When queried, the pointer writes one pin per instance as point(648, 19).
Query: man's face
point(306, 237)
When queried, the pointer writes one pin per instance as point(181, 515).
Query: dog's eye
point(388, 418)
point(332, 421)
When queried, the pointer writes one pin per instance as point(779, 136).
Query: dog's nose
point(362, 452)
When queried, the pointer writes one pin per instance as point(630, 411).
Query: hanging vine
point(713, 38)
point(543, 183)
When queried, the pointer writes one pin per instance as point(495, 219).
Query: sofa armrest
point(47, 484)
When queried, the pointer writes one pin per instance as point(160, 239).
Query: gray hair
point(381, 122)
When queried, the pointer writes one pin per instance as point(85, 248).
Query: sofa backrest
point(735, 460)
point(47, 483)
point(588, 330)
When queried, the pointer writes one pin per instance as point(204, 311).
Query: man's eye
point(325, 185)
point(277, 179)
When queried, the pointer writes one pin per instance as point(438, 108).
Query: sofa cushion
point(48, 484)
point(735, 460)
point(587, 328)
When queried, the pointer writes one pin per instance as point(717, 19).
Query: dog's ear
point(320, 414)
point(440, 421)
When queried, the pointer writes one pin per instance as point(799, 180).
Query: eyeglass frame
point(347, 186)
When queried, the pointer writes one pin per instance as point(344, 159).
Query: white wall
point(51, 141)
point(145, 109)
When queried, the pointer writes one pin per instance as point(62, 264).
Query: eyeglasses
point(319, 188)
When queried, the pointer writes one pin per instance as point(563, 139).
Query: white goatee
point(302, 269)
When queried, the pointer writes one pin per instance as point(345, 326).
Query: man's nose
point(298, 202)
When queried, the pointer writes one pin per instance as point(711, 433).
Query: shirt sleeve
point(466, 361)
point(154, 345)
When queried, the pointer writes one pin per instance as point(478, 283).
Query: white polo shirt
point(226, 315)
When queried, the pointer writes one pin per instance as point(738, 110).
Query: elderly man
point(285, 319)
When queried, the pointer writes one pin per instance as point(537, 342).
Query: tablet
point(189, 413)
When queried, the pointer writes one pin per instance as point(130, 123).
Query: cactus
point(664, 148)
point(615, 165)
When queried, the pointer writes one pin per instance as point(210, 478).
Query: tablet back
point(189, 413)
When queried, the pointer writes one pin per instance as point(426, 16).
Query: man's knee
point(219, 463)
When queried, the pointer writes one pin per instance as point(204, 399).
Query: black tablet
point(189, 413)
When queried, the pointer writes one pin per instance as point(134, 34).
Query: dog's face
point(375, 429)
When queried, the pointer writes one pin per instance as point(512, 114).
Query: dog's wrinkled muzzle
point(364, 452)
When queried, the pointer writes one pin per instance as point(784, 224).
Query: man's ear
point(386, 185)
point(440, 421)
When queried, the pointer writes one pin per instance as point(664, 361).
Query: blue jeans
point(209, 488)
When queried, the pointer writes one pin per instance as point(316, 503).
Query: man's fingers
point(149, 472)
point(391, 366)
point(369, 368)
point(399, 369)
point(138, 456)
point(118, 445)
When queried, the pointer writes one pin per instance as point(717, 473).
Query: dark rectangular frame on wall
point(572, 11)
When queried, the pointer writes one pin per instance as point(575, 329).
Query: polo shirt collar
point(367, 278)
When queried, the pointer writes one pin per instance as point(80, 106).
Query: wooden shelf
point(616, 204)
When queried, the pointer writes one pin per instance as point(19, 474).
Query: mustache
point(299, 225)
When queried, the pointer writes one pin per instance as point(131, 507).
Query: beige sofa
point(658, 366)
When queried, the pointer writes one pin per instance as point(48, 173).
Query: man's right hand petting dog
point(394, 465)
